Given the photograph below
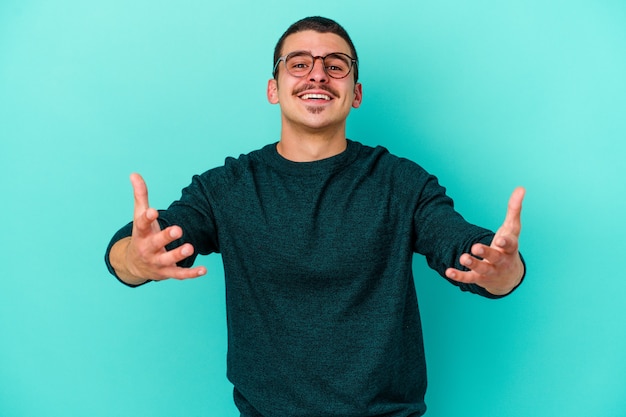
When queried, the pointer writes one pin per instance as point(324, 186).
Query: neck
point(311, 146)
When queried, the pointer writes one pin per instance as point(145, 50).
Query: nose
point(318, 72)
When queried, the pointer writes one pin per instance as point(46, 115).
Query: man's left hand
point(497, 268)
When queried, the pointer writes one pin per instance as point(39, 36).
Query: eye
point(298, 63)
point(337, 64)
point(335, 67)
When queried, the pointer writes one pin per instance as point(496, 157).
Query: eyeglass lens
point(300, 64)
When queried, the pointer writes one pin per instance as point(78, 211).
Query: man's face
point(316, 101)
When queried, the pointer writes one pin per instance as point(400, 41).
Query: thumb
point(513, 220)
point(140, 193)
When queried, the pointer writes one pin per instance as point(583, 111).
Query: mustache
point(324, 87)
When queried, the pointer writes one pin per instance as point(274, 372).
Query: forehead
point(315, 42)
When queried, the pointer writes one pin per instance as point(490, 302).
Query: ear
point(358, 95)
point(272, 91)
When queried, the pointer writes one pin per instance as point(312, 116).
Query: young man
point(317, 234)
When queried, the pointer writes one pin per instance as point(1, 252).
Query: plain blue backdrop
point(485, 94)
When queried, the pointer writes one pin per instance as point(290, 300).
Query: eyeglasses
point(300, 64)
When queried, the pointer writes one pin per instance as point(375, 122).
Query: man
point(317, 234)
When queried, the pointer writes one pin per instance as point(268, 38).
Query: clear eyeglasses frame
point(300, 64)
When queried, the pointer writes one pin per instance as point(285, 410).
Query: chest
point(321, 229)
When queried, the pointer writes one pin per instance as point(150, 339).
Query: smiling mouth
point(323, 97)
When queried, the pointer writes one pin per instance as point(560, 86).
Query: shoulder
point(235, 168)
point(235, 172)
point(380, 160)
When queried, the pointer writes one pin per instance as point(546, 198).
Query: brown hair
point(321, 25)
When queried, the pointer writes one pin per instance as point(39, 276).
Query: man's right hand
point(143, 256)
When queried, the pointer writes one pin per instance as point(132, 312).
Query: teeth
point(316, 96)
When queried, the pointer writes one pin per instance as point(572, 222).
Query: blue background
point(486, 94)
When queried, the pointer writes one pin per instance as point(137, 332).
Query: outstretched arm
point(143, 256)
point(498, 268)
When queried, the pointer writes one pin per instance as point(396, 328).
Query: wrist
point(119, 262)
point(512, 282)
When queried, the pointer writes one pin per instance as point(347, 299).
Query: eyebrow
point(303, 51)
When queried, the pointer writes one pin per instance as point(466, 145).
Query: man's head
point(312, 78)
point(321, 25)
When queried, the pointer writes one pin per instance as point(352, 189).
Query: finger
point(180, 273)
point(170, 260)
point(174, 256)
point(140, 193)
point(158, 241)
point(512, 221)
point(467, 277)
point(500, 248)
point(145, 223)
point(508, 244)
point(480, 267)
point(144, 217)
